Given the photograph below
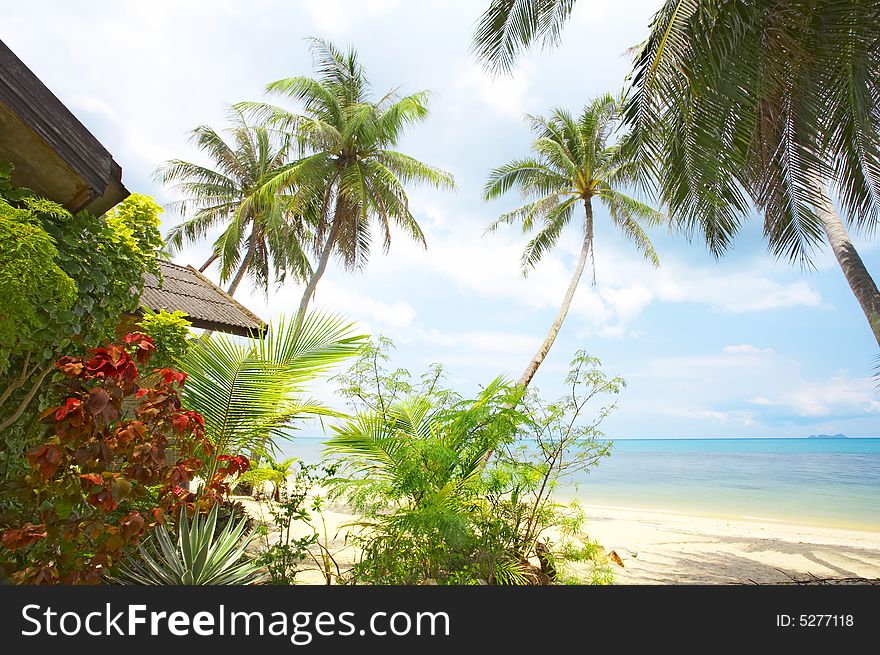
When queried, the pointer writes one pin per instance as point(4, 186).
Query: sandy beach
point(670, 548)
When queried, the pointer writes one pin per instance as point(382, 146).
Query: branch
point(27, 399)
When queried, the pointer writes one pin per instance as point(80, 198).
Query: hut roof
point(207, 306)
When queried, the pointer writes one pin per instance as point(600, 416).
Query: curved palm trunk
point(319, 271)
point(211, 260)
point(239, 276)
point(857, 276)
point(586, 247)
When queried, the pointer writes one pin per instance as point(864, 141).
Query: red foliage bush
point(117, 462)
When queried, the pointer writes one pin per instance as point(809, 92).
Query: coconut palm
point(271, 471)
point(574, 163)
point(348, 175)
point(773, 103)
point(261, 238)
point(768, 103)
point(509, 26)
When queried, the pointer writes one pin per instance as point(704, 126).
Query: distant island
point(827, 436)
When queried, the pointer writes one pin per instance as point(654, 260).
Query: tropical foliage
point(735, 104)
point(415, 468)
point(271, 472)
point(348, 176)
point(64, 282)
point(509, 26)
point(111, 466)
point(261, 238)
point(768, 103)
point(251, 391)
point(204, 554)
point(170, 334)
point(575, 163)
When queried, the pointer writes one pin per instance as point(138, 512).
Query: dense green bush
point(34, 290)
point(459, 491)
point(64, 282)
point(170, 332)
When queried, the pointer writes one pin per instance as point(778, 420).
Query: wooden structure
point(52, 152)
point(55, 156)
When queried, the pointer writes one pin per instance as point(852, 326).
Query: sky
point(742, 346)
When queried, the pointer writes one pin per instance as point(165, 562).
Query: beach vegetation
point(433, 510)
point(291, 537)
point(251, 392)
point(204, 553)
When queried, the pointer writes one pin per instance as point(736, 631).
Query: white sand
point(669, 548)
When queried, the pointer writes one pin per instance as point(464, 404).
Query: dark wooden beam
point(52, 151)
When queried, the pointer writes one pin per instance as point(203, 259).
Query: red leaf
point(98, 400)
point(132, 525)
point(46, 459)
point(23, 536)
point(70, 405)
point(94, 478)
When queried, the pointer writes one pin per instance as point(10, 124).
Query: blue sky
point(741, 347)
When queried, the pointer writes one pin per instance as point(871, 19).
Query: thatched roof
point(208, 306)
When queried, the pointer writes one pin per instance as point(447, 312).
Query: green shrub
point(170, 332)
point(34, 290)
point(459, 491)
point(65, 280)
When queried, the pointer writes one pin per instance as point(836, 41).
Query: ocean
point(833, 482)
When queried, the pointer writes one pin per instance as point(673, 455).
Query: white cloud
point(747, 348)
point(837, 395)
point(507, 96)
point(337, 18)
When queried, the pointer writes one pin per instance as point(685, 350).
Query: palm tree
point(261, 237)
point(250, 392)
point(273, 471)
point(768, 103)
point(348, 175)
point(509, 26)
point(772, 102)
point(574, 164)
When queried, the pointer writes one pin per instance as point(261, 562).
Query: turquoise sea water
point(817, 481)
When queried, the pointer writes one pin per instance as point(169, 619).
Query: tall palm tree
point(348, 175)
point(773, 102)
point(574, 164)
point(770, 103)
point(262, 238)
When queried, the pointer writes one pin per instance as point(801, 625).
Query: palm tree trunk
point(319, 271)
point(586, 247)
point(210, 261)
point(860, 281)
point(239, 276)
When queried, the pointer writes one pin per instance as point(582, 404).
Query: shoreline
point(796, 521)
point(670, 547)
